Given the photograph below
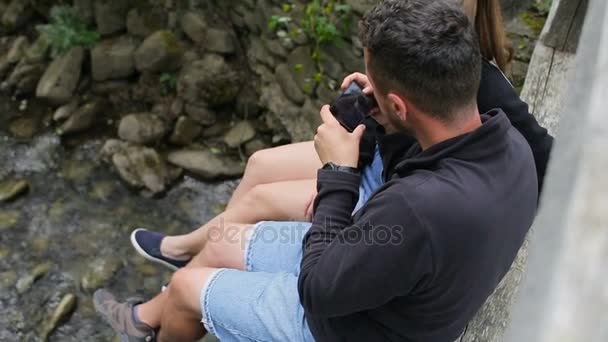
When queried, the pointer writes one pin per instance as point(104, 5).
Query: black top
point(421, 257)
point(495, 91)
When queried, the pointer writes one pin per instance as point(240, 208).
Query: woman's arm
point(495, 91)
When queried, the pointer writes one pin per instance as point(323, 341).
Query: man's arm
point(345, 264)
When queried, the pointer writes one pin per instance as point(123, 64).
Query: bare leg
point(283, 163)
point(275, 201)
point(176, 311)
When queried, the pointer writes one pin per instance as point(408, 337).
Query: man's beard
point(398, 126)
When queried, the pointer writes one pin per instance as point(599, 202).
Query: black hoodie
point(421, 257)
point(495, 91)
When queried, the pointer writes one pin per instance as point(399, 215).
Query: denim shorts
point(371, 179)
point(261, 303)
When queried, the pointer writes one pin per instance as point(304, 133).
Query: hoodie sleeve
point(344, 263)
point(495, 91)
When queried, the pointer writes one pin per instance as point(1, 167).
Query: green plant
point(277, 21)
point(322, 21)
point(67, 30)
point(168, 82)
point(542, 6)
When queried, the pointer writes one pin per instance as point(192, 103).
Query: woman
point(279, 183)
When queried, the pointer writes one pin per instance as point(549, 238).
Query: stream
point(70, 232)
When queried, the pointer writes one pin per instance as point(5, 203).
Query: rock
point(518, 27)
point(361, 6)
point(325, 94)
point(205, 164)
point(7, 280)
point(332, 68)
point(274, 47)
point(8, 219)
point(346, 54)
point(247, 103)
point(160, 52)
point(254, 146)
point(82, 119)
point(220, 41)
point(143, 21)
point(139, 166)
point(10, 189)
point(38, 51)
point(62, 312)
point(142, 128)
point(113, 58)
point(241, 133)
point(216, 130)
point(200, 113)
point(311, 112)
point(99, 272)
point(302, 67)
point(185, 131)
point(210, 80)
point(17, 50)
point(177, 108)
point(110, 16)
point(85, 10)
point(288, 84)
point(14, 54)
point(195, 27)
point(24, 127)
point(25, 283)
point(257, 53)
point(59, 82)
point(286, 113)
point(16, 14)
point(24, 78)
point(65, 111)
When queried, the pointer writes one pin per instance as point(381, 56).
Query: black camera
point(352, 107)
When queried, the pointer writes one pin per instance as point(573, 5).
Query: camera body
point(352, 107)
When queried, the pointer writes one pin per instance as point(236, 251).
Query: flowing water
point(74, 223)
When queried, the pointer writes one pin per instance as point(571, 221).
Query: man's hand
point(361, 80)
point(335, 144)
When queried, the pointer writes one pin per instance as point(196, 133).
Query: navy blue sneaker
point(147, 243)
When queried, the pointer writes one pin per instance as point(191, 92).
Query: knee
point(182, 289)
point(258, 165)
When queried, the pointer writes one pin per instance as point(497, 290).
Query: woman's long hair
point(491, 31)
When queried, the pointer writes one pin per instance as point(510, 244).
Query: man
point(419, 259)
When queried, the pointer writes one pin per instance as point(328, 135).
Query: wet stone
point(76, 170)
point(8, 219)
point(40, 244)
point(25, 283)
point(7, 280)
point(12, 188)
point(24, 127)
point(241, 133)
point(62, 312)
point(100, 272)
point(102, 190)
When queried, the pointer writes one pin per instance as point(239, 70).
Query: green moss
point(535, 23)
point(173, 45)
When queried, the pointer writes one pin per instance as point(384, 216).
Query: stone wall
point(204, 83)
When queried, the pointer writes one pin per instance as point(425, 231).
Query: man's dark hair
point(426, 50)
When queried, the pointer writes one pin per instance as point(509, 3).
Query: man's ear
point(399, 105)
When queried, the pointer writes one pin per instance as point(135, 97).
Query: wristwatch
point(333, 167)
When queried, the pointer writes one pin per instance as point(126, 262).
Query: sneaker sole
point(147, 256)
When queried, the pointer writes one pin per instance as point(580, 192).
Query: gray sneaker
point(120, 317)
